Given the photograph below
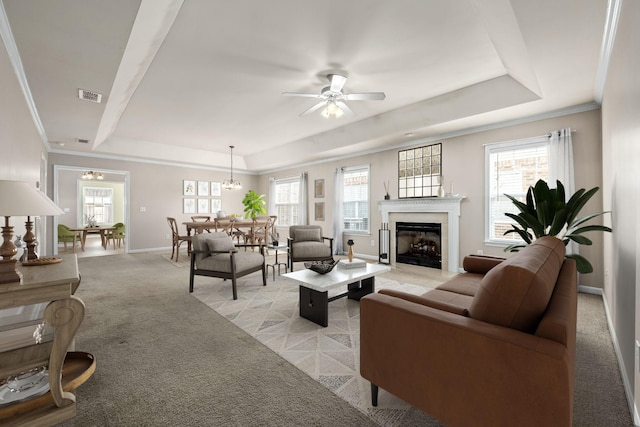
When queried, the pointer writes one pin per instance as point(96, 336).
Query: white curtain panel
point(303, 201)
point(338, 222)
point(561, 167)
point(271, 208)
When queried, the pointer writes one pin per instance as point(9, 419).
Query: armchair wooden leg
point(374, 395)
point(264, 274)
point(233, 287)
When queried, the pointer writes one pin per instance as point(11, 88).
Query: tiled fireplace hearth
point(439, 210)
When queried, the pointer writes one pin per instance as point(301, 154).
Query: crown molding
point(16, 63)
point(610, 29)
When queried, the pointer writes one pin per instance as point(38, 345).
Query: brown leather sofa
point(493, 346)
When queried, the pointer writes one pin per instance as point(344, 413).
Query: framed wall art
point(216, 206)
point(203, 206)
point(420, 171)
point(189, 206)
point(188, 188)
point(203, 188)
point(216, 189)
point(319, 211)
point(319, 188)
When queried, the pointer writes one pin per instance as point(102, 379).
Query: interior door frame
point(57, 169)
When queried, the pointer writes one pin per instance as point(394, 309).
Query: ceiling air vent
point(83, 141)
point(89, 95)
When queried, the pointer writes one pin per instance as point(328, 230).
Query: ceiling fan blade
point(314, 108)
point(337, 82)
point(345, 109)
point(371, 96)
point(306, 95)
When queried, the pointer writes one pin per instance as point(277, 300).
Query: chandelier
point(231, 184)
point(91, 175)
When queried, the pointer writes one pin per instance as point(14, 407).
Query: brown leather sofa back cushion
point(515, 293)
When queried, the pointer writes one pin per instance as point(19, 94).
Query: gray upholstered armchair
point(306, 243)
point(215, 255)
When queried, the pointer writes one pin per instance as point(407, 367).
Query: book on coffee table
point(356, 263)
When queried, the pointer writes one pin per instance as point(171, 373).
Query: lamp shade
point(18, 198)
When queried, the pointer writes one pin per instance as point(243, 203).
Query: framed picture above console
point(420, 171)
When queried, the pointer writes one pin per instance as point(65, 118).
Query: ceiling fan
point(333, 98)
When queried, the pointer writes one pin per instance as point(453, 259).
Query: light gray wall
point(20, 143)
point(463, 163)
point(158, 189)
point(621, 159)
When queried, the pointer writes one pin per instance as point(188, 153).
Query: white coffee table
point(314, 288)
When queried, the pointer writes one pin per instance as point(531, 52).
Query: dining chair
point(66, 235)
point(177, 239)
point(202, 218)
point(118, 234)
point(259, 233)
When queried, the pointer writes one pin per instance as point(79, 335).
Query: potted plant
point(546, 213)
point(253, 204)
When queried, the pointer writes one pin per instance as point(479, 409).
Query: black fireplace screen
point(419, 244)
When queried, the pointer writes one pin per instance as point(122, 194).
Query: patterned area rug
point(329, 355)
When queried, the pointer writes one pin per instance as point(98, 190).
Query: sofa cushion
point(307, 235)
point(515, 293)
point(461, 302)
point(222, 262)
point(221, 243)
point(200, 243)
point(465, 284)
point(312, 250)
point(480, 264)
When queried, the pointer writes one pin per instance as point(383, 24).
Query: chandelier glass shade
point(230, 183)
point(91, 175)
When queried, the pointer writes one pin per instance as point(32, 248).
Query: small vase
point(441, 191)
point(350, 254)
point(387, 197)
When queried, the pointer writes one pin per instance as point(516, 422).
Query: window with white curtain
point(97, 203)
point(287, 196)
point(511, 168)
point(356, 199)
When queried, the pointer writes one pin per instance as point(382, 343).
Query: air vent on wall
point(83, 141)
point(89, 95)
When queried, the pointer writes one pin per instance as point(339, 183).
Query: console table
point(49, 286)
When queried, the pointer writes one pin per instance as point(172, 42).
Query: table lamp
point(18, 198)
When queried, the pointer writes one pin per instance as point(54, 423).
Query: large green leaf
point(524, 234)
point(584, 229)
point(558, 223)
point(579, 239)
point(579, 204)
point(582, 264)
point(521, 206)
point(586, 218)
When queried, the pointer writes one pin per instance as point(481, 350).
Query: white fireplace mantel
point(448, 205)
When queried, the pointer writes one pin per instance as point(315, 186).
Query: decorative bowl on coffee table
point(321, 267)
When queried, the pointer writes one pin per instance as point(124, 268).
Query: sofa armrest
point(440, 362)
point(440, 305)
point(480, 264)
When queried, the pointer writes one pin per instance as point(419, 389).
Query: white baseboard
point(625, 380)
point(589, 290)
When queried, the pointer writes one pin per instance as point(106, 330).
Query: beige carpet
point(329, 355)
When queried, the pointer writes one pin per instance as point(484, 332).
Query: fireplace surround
point(442, 210)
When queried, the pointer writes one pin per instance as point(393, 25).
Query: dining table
point(105, 232)
point(226, 225)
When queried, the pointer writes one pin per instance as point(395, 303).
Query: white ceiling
point(183, 80)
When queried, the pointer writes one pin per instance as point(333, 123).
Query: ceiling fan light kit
point(333, 98)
